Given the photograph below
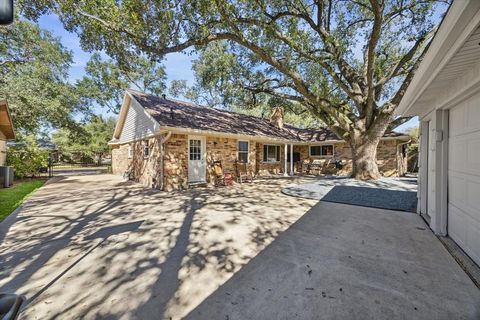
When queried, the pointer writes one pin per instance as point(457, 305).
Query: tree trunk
point(364, 157)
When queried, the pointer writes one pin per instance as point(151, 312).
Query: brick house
point(169, 144)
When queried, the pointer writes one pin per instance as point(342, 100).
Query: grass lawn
point(11, 198)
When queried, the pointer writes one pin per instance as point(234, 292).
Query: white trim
point(263, 153)
point(203, 140)
point(321, 145)
point(130, 151)
point(248, 149)
point(461, 20)
point(146, 145)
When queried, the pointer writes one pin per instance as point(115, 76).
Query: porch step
point(200, 184)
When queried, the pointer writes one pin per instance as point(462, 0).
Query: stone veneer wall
point(146, 170)
point(176, 162)
point(266, 168)
point(387, 159)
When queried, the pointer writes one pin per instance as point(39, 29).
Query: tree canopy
point(348, 62)
point(92, 141)
point(33, 78)
point(106, 80)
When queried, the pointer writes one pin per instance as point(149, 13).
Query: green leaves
point(107, 80)
point(92, 138)
point(33, 78)
point(26, 157)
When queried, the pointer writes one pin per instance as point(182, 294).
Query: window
point(195, 150)
point(146, 149)
point(318, 151)
point(242, 151)
point(130, 151)
point(271, 153)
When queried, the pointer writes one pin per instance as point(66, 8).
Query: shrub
point(26, 158)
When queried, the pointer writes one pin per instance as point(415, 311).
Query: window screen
point(243, 151)
point(271, 153)
point(195, 150)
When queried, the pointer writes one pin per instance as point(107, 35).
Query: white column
point(291, 159)
point(285, 174)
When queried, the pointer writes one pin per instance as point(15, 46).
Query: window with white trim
point(146, 149)
point(130, 151)
point(242, 151)
point(271, 153)
point(321, 151)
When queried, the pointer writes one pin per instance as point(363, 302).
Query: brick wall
point(176, 162)
point(387, 159)
point(266, 168)
point(147, 170)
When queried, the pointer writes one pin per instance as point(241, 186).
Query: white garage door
point(464, 176)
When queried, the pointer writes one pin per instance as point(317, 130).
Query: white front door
point(197, 165)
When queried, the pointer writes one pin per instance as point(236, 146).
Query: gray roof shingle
point(179, 114)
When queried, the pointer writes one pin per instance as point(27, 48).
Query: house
point(169, 144)
point(6, 130)
point(445, 94)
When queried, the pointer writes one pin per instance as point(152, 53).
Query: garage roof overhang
point(450, 71)
point(6, 124)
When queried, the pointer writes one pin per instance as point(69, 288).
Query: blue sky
point(178, 66)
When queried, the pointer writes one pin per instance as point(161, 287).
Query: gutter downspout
point(162, 154)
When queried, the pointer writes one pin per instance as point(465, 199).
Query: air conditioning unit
point(6, 176)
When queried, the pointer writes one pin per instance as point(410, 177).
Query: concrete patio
point(397, 193)
point(94, 247)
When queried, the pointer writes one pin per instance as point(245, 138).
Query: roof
point(172, 113)
point(6, 124)
point(450, 69)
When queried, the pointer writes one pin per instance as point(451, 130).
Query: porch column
point(291, 159)
point(285, 174)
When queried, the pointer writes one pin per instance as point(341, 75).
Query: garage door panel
point(473, 241)
point(472, 205)
point(473, 114)
point(464, 176)
point(456, 189)
point(457, 155)
point(457, 225)
point(457, 121)
point(465, 231)
point(473, 153)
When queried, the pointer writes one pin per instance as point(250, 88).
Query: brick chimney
point(276, 116)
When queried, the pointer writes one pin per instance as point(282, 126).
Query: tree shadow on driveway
point(92, 247)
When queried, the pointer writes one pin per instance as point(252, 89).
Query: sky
point(178, 66)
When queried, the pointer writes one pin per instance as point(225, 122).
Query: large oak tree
point(348, 62)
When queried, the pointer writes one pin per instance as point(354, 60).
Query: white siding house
point(135, 124)
point(445, 94)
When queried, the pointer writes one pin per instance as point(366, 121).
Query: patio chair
point(242, 172)
point(221, 178)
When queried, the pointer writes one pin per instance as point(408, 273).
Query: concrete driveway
point(395, 193)
point(94, 247)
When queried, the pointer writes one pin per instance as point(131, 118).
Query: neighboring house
point(445, 94)
point(6, 130)
point(169, 144)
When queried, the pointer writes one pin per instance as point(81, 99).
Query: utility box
point(6, 176)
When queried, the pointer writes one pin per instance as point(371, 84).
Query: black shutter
point(278, 152)
point(265, 149)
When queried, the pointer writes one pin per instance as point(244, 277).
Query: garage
point(445, 95)
point(464, 176)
